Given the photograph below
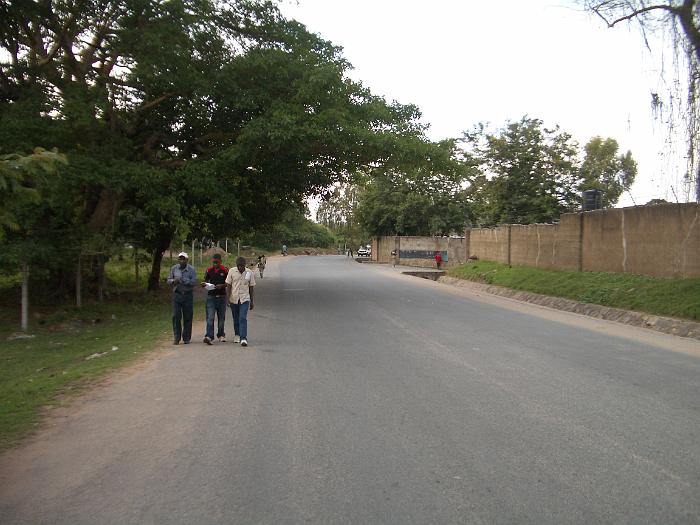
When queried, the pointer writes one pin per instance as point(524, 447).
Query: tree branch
point(635, 13)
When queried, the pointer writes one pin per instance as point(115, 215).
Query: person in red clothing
point(438, 259)
point(215, 283)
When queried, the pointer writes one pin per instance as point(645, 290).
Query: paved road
point(368, 397)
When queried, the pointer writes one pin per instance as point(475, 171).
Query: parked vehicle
point(364, 252)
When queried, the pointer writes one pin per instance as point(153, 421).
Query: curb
point(667, 325)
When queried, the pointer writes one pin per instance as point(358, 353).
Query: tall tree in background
point(190, 117)
point(606, 170)
point(424, 195)
point(529, 173)
point(338, 212)
point(679, 20)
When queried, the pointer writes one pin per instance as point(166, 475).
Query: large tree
point(529, 173)
point(425, 195)
point(680, 21)
point(195, 117)
point(605, 169)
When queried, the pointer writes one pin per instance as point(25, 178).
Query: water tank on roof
point(592, 200)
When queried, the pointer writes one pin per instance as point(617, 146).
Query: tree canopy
point(189, 117)
point(529, 172)
point(606, 170)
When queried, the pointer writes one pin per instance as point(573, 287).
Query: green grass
point(668, 297)
point(53, 364)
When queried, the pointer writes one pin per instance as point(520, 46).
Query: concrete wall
point(547, 245)
point(382, 248)
point(427, 246)
point(660, 241)
point(490, 243)
point(456, 251)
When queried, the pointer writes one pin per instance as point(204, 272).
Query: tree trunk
point(163, 242)
point(25, 297)
point(137, 277)
point(78, 284)
point(100, 269)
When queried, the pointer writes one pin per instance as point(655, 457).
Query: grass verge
point(667, 297)
point(68, 353)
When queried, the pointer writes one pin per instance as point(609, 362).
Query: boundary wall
point(660, 241)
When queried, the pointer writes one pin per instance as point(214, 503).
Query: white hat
point(183, 254)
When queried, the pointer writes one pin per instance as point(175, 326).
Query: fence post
point(510, 226)
point(580, 242)
point(467, 243)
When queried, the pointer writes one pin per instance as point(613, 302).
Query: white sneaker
point(222, 339)
point(236, 339)
point(244, 342)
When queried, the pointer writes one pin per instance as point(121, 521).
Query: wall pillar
point(580, 242)
point(509, 243)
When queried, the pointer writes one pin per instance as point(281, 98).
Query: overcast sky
point(467, 61)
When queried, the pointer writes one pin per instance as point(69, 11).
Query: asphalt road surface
point(370, 397)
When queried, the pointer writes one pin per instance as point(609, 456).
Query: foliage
point(603, 169)
point(188, 119)
point(425, 196)
point(294, 229)
point(671, 297)
point(20, 182)
point(338, 212)
point(529, 172)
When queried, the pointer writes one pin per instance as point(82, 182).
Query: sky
point(468, 61)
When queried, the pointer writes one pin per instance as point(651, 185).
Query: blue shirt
point(187, 276)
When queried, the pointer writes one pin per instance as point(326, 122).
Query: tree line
point(521, 173)
point(151, 123)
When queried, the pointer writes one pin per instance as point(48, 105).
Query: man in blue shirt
point(183, 279)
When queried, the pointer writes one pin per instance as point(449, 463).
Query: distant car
point(364, 252)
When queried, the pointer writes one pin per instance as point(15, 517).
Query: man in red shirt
point(438, 259)
point(215, 282)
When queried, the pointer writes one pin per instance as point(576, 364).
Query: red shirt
point(216, 275)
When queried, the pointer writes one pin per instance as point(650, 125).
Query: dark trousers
point(216, 306)
point(240, 319)
point(182, 316)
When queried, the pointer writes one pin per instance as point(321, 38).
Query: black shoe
point(176, 342)
point(186, 342)
point(207, 341)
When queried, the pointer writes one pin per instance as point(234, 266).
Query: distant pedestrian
point(284, 249)
point(438, 260)
point(394, 257)
point(262, 261)
point(216, 299)
point(183, 279)
point(240, 285)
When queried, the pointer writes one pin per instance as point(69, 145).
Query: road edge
point(666, 325)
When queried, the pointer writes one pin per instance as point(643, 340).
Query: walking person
point(215, 282)
point(262, 260)
point(183, 279)
point(438, 260)
point(394, 257)
point(240, 286)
